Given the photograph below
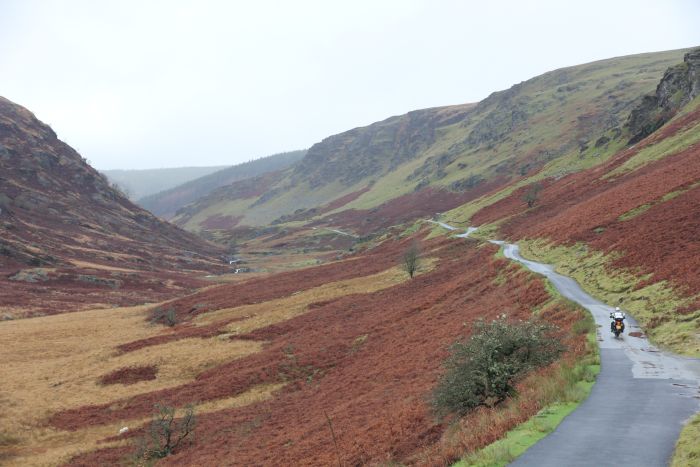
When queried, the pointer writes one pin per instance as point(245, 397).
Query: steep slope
point(440, 158)
point(627, 229)
point(167, 202)
point(67, 237)
point(141, 183)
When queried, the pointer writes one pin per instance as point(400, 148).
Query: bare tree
point(166, 434)
point(411, 259)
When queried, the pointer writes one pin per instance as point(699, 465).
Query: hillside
point(168, 202)
point(627, 229)
point(141, 183)
point(433, 160)
point(66, 237)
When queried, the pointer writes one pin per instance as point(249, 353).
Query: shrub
point(165, 316)
point(165, 435)
point(7, 439)
point(532, 194)
point(482, 371)
point(129, 375)
point(8, 445)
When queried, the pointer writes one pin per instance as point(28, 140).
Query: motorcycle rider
point(615, 315)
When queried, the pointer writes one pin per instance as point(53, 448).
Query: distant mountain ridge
point(140, 183)
point(167, 202)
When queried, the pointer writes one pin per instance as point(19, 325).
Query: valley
point(279, 306)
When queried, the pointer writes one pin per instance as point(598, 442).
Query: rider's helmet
point(617, 308)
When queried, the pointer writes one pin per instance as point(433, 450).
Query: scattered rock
point(30, 275)
point(112, 283)
point(602, 141)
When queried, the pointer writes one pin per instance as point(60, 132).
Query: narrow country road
point(639, 404)
point(339, 232)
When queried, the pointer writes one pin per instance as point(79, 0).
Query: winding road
point(642, 398)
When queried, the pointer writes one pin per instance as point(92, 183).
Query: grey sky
point(142, 84)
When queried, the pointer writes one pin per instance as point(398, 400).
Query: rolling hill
point(67, 237)
point(434, 160)
point(168, 202)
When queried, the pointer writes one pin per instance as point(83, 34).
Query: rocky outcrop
point(376, 149)
point(680, 85)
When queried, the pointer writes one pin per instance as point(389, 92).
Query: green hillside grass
point(687, 452)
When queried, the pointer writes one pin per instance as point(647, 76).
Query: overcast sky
point(145, 84)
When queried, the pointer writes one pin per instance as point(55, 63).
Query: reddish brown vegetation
point(300, 240)
point(180, 332)
point(221, 221)
point(663, 240)
point(333, 205)
point(73, 289)
point(368, 360)
point(417, 205)
point(130, 375)
point(263, 289)
point(343, 200)
point(283, 284)
point(248, 188)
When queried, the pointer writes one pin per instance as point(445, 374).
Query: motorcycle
point(618, 327)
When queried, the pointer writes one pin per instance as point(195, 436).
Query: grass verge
point(578, 382)
point(687, 450)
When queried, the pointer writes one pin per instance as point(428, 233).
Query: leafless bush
point(166, 434)
point(165, 316)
